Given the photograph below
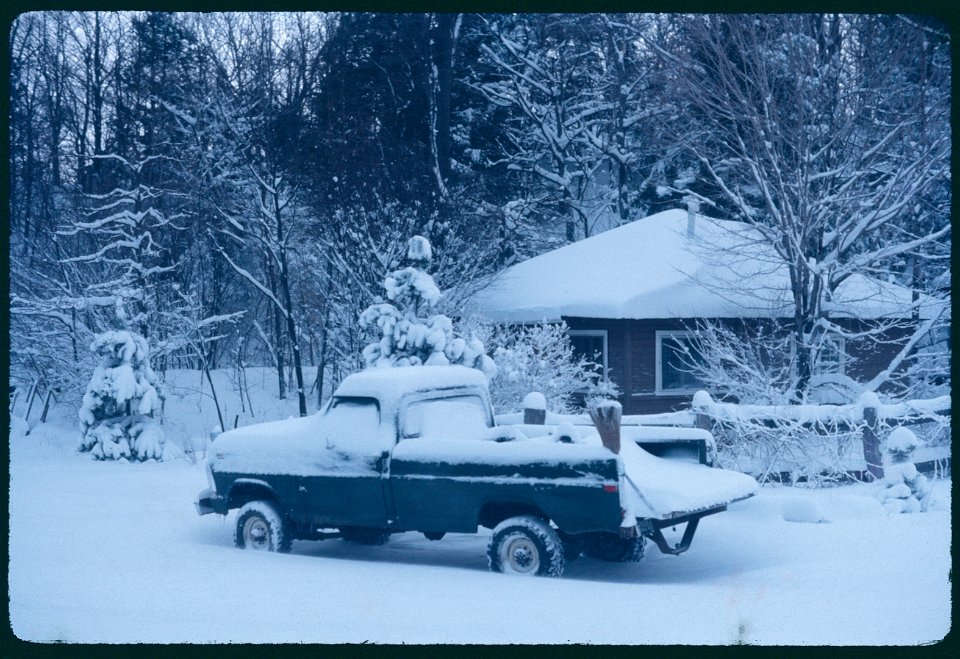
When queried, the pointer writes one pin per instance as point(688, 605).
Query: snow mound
point(802, 509)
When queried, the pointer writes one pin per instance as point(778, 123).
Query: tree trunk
point(443, 48)
point(606, 417)
point(288, 301)
point(277, 333)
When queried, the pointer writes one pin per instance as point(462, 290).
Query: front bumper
point(208, 502)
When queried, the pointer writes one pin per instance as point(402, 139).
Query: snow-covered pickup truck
point(416, 449)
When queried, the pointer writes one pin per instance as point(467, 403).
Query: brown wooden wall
point(632, 358)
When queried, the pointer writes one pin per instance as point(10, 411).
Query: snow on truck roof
point(654, 268)
point(391, 383)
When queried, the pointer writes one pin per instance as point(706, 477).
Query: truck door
point(346, 488)
point(433, 495)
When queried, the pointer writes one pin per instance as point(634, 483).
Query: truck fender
point(494, 512)
point(243, 490)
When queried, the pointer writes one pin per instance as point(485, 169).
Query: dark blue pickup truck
point(417, 449)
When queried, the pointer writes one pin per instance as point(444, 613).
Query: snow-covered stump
point(534, 409)
point(905, 490)
point(606, 417)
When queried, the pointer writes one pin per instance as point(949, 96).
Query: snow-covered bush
point(116, 412)
point(771, 432)
point(904, 489)
point(407, 335)
point(540, 358)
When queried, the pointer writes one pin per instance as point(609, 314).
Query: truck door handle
point(302, 489)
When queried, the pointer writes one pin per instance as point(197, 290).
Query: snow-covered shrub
point(408, 336)
point(904, 489)
point(540, 358)
point(771, 432)
point(116, 411)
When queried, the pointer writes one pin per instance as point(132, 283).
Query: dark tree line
point(235, 187)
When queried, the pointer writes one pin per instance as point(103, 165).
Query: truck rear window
point(459, 417)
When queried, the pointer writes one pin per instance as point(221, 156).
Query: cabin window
point(832, 356)
point(592, 345)
point(830, 359)
point(677, 356)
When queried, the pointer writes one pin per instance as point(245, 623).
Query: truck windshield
point(353, 423)
point(458, 417)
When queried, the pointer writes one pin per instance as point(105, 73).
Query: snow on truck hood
point(303, 446)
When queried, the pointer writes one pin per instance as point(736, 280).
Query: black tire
point(526, 545)
point(434, 535)
point(364, 536)
point(613, 548)
point(262, 526)
point(572, 545)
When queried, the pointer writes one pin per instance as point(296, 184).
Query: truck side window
point(354, 424)
point(458, 417)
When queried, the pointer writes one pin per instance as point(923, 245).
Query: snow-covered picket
point(117, 409)
point(905, 490)
point(408, 338)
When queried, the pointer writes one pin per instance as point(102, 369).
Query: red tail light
point(610, 488)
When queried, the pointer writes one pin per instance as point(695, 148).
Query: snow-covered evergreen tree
point(408, 337)
point(905, 490)
point(116, 414)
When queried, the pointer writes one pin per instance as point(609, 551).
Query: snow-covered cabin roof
point(388, 384)
point(653, 268)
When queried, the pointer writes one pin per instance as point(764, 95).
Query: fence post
point(34, 391)
point(534, 409)
point(701, 407)
point(871, 443)
point(704, 421)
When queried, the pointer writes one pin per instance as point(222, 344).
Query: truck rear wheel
point(526, 545)
point(261, 526)
point(611, 547)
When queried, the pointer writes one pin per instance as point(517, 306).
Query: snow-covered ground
point(114, 552)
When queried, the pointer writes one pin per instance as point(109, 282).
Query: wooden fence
point(868, 418)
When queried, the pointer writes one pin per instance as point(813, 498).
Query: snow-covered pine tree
point(408, 337)
point(116, 413)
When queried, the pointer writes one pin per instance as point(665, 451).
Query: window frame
point(658, 365)
point(840, 343)
point(602, 333)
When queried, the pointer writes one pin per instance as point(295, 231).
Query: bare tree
point(820, 157)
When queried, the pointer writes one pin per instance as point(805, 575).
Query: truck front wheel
point(526, 545)
point(261, 526)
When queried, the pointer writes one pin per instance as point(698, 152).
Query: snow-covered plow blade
point(667, 481)
point(663, 493)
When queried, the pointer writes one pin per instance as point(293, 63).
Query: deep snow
point(115, 552)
